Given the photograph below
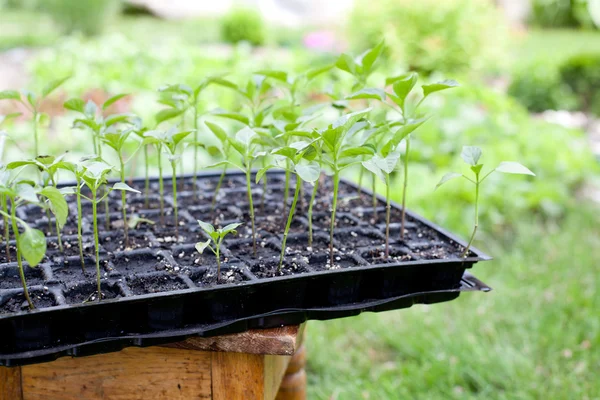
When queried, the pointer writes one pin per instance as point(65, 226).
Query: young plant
point(339, 154)
point(245, 143)
point(216, 236)
point(116, 139)
point(471, 156)
point(32, 103)
point(94, 177)
point(31, 243)
point(170, 140)
point(299, 155)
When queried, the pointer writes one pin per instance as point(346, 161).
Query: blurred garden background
point(530, 92)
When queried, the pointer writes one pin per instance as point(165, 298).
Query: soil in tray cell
point(275, 224)
point(321, 262)
point(354, 238)
point(70, 246)
point(230, 274)
point(188, 256)
point(145, 284)
point(18, 303)
point(298, 244)
point(323, 220)
point(377, 255)
point(139, 262)
point(243, 249)
point(9, 276)
point(70, 269)
point(116, 242)
point(13, 253)
point(70, 227)
point(84, 292)
point(219, 214)
point(269, 269)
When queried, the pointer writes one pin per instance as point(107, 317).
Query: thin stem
point(96, 243)
point(387, 216)
point(195, 178)
point(4, 204)
point(124, 202)
point(218, 255)
point(19, 260)
point(106, 209)
point(174, 168)
point(404, 187)
point(214, 201)
point(161, 189)
point(264, 191)
point(286, 187)
point(79, 226)
point(310, 211)
point(147, 176)
point(49, 218)
point(58, 235)
point(336, 184)
point(374, 196)
point(476, 225)
point(249, 189)
point(289, 221)
point(360, 180)
point(35, 135)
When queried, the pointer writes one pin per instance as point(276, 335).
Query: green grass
point(536, 336)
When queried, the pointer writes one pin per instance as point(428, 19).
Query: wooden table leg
point(10, 383)
point(293, 386)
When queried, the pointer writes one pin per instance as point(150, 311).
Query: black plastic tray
point(148, 319)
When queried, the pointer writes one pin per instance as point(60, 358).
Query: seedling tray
point(161, 290)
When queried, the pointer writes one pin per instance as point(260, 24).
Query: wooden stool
point(262, 364)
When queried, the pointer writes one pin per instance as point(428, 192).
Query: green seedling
point(94, 177)
point(471, 156)
point(216, 237)
point(32, 102)
point(170, 140)
point(299, 155)
point(245, 143)
point(31, 243)
point(339, 154)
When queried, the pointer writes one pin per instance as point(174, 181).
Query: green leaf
point(125, 187)
point(97, 169)
point(7, 117)
point(225, 82)
point(309, 172)
point(449, 176)
point(10, 95)
point(217, 131)
point(206, 227)
point(261, 172)
point(350, 119)
point(229, 229)
point(436, 87)
point(287, 152)
point(75, 104)
point(512, 167)
point(90, 109)
point(346, 63)
point(369, 93)
point(407, 129)
point(373, 166)
point(402, 86)
point(357, 151)
point(371, 56)
point(245, 136)
point(167, 114)
point(313, 73)
point(32, 244)
point(52, 86)
point(471, 154)
point(135, 220)
point(113, 100)
point(201, 246)
point(27, 193)
point(231, 115)
point(58, 204)
point(388, 164)
point(116, 118)
point(278, 75)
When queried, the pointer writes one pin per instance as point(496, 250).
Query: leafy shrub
point(243, 24)
point(430, 35)
point(582, 74)
point(560, 14)
point(538, 87)
point(89, 17)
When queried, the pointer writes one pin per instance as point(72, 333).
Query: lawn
point(536, 336)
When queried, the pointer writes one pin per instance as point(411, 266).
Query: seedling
point(298, 156)
point(95, 176)
point(339, 155)
point(216, 236)
point(31, 102)
point(245, 143)
point(471, 156)
point(170, 141)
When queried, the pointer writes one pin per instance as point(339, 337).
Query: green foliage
point(582, 75)
point(430, 35)
point(216, 236)
point(243, 24)
point(90, 17)
point(560, 13)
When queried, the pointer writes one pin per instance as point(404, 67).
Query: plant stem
point(174, 168)
point(4, 204)
point(124, 202)
point(360, 180)
point(35, 135)
point(106, 211)
point(195, 178)
point(79, 227)
point(289, 221)
point(249, 189)
point(336, 184)
point(387, 216)
point(374, 196)
point(466, 252)
point(58, 235)
point(218, 255)
point(161, 189)
point(147, 175)
point(404, 187)
point(310, 211)
point(19, 260)
point(96, 242)
point(214, 201)
point(286, 187)
point(264, 191)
